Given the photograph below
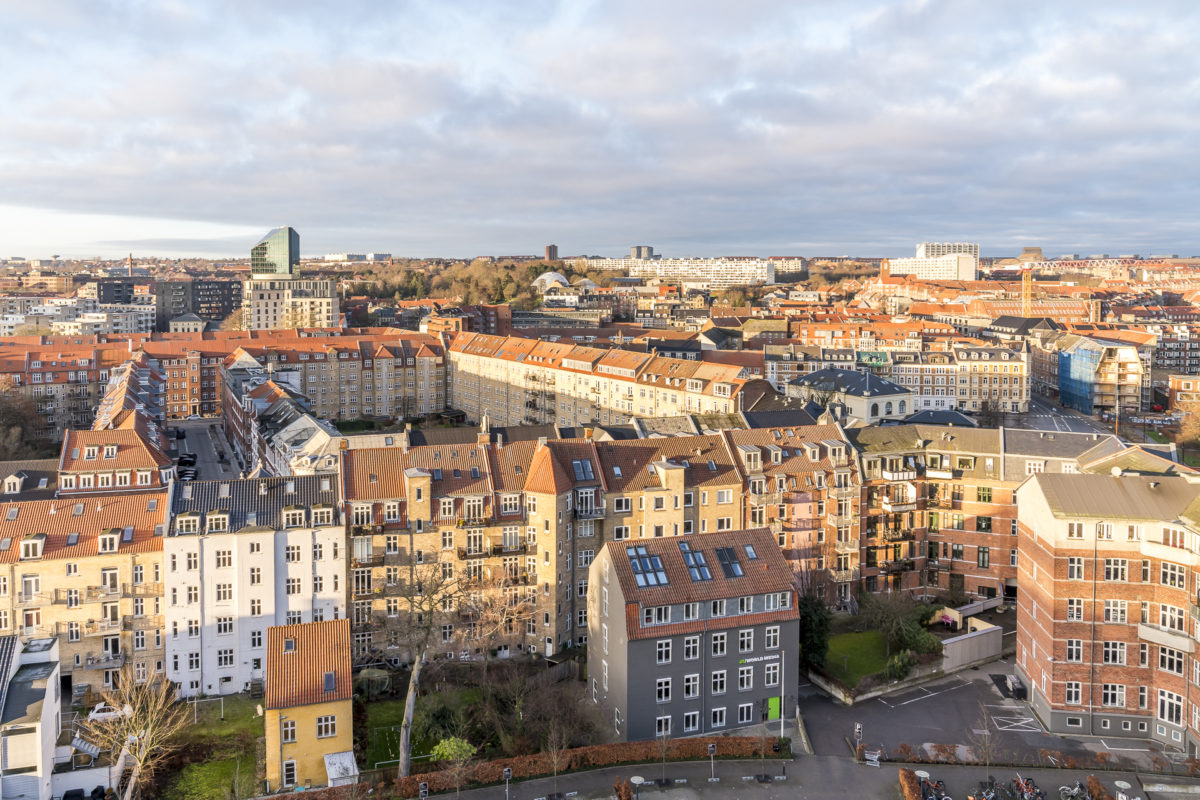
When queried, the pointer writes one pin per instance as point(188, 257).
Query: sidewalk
point(811, 777)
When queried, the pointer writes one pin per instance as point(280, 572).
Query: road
point(1046, 416)
point(206, 443)
point(809, 777)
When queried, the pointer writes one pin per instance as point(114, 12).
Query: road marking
point(1125, 749)
point(1016, 724)
point(934, 694)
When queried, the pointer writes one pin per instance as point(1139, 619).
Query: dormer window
point(12, 484)
point(293, 518)
point(143, 478)
point(188, 524)
point(31, 548)
point(110, 451)
point(218, 523)
point(322, 516)
point(90, 452)
point(108, 542)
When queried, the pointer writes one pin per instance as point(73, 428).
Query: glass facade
point(277, 253)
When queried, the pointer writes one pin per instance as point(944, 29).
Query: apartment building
point(528, 518)
point(715, 273)
point(949, 266)
point(1106, 621)
point(30, 717)
point(1098, 376)
point(938, 249)
point(526, 380)
point(691, 635)
point(275, 301)
point(239, 557)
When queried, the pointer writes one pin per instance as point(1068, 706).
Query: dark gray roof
point(469, 434)
point(35, 471)
point(26, 692)
point(256, 502)
point(8, 651)
point(849, 381)
point(1052, 444)
point(939, 438)
point(944, 417)
point(795, 416)
point(1126, 497)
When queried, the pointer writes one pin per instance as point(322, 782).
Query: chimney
point(499, 440)
point(541, 442)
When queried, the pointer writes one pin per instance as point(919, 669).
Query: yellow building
point(309, 715)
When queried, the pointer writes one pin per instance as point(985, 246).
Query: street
point(206, 443)
point(1045, 415)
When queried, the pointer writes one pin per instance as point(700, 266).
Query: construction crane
point(1027, 290)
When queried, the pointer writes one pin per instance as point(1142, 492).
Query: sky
point(191, 127)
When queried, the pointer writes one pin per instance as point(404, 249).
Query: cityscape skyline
point(186, 130)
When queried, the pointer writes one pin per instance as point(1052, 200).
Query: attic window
point(152, 504)
point(110, 451)
point(90, 452)
point(289, 645)
point(78, 511)
point(290, 487)
point(583, 470)
point(330, 682)
point(437, 474)
point(223, 490)
point(458, 473)
point(712, 465)
point(12, 513)
point(474, 472)
point(324, 484)
point(72, 539)
point(108, 543)
point(127, 534)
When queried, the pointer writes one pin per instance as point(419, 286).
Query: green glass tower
point(277, 253)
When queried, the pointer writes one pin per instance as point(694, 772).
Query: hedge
point(580, 758)
point(910, 787)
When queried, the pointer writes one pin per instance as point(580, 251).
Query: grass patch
point(853, 656)
point(212, 780)
point(355, 425)
point(384, 718)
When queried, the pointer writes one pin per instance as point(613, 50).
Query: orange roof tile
point(296, 672)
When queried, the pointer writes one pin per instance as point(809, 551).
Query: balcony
point(31, 599)
point(899, 474)
point(940, 473)
point(1166, 637)
point(844, 491)
point(945, 503)
point(845, 575)
point(104, 661)
point(132, 622)
point(473, 521)
point(518, 549)
point(97, 594)
point(838, 521)
point(765, 498)
point(141, 590)
point(897, 506)
point(373, 559)
point(849, 546)
point(101, 627)
point(465, 553)
point(899, 565)
point(595, 512)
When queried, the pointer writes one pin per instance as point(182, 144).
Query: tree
point(147, 726)
point(811, 590)
point(236, 321)
point(983, 744)
point(1189, 428)
point(458, 753)
point(19, 421)
point(990, 415)
point(664, 747)
point(555, 747)
point(890, 613)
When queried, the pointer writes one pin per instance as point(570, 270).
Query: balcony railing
point(900, 565)
point(898, 506)
point(899, 474)
point(29, 599)
point(101, 627)
point(594, 512)
point(845, 491)
point(141, 590)
point(133, 622)
point(849, 546)
point(474, 552)
point(940, 473)
point(373, 559)
point(473, 520)
point(838, 521)
point(845, 575)
point(765, 498)
point(104, 660)
point(96, 594)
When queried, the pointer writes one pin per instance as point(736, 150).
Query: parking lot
point(203, 437)
point(951, 711)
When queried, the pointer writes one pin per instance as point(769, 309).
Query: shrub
point(898, 666)
point(910, 787)
point(1097, 789)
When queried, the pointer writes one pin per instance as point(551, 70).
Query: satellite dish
point(258, 710)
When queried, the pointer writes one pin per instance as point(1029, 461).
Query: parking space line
point(934, 694)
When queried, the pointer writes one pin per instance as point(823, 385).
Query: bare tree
point(555, 747)
point(664, 747)
point(145, 724)
point(984, 745)
point(236, 321)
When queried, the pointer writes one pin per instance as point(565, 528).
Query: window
point(1114, 652)
point(1171, 617)
point(745, 641)
point(224, 592)
point(1075, 650)
point(724, 495)
point(691, 686)
point(255, 576)
point(224, 558)
point(691, 721)
point(1116, 569)
point(1074, 530)
point(718, 608)
point(982, 556)
point(1074, 610)
point(225, 658)
point(691, 648)
point(1074, 693)
point(1113, 695)
point(771, 638)
point(662, 690)
point(1173, 575)
point(662, 726)
point(745, 605)
point(691, 611)
point(256, 639)
point(656, 615)
point(1115, 611)
point(745, 679)
point(293, 518)
point(1074, 568)
point(718, 718)
point(288, 731)
point(293, 586)
point(1170, 707)
point(224, 625)
point(1171, 660)
point(291, 553)
point(718, 644)
point(771, 675)
point(718, 682)
point(326, 726)
point(664, 651)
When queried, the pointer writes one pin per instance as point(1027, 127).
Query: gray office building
point(692, 635)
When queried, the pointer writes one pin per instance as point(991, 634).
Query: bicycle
point(1076, 792)
point(934, 790)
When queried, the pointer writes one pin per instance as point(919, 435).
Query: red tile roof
point(296, 676)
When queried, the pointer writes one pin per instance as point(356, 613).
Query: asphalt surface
point(954, 710)
point(808, 777)
point(206, 444)
point(1046, 416)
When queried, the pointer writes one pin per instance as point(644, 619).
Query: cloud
point(702, 127)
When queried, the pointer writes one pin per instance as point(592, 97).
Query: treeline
point(481, 281)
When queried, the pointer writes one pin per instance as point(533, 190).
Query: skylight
point(696, 563)
point(78, 512)
point(583, 470)
point(12, 513)
point(616, 471)
point(712, 465)
point(730, 565)
point(750, 552)
point(437, 473)
point(647, 569)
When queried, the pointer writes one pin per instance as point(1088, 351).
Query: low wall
point(983, 644)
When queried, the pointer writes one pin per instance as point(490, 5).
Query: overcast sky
point(460, 128)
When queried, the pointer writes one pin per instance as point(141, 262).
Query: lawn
point(214, 747)
point(384, 718)
point(852, 656)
